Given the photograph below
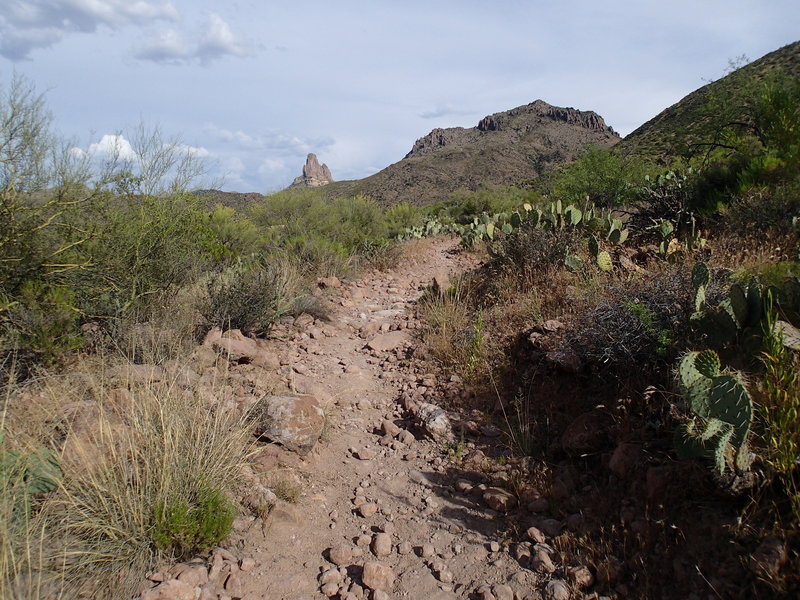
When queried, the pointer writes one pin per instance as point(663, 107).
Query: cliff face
point(314, 174)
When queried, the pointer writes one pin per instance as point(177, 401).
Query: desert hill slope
point(696, 119)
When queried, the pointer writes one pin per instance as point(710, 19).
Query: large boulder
point(295, 422)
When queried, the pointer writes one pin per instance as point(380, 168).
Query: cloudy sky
point(256, 85)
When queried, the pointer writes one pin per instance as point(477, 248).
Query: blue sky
point(256, 85)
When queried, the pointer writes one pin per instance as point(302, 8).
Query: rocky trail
point(393, 504)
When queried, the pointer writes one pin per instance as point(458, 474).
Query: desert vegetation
point(658, 303)
point(634, 329)
point(109, 264)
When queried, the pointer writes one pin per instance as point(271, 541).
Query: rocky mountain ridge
point(502, 149)
point(521, 120)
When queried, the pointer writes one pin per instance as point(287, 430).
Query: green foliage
point(464, 205)
point(722, 408)
point(401, 217)
point(184, 526)
point(42, 320)
point(249, 297)
point(23, 475)
point(141, 247)
point(604, 261)
point(781, 407)
point(738, 318)
point(233, 236)
point(601, 177)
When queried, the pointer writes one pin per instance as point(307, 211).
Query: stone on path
point(435, 422)
point(377, 576)
point(388, 341)
point(294, 422)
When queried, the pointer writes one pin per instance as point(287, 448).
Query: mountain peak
point(515, 123)
point(314, 174)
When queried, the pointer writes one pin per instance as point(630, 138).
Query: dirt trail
point(392, 500)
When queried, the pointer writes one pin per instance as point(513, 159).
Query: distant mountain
point(683, 128)
point(504, 148)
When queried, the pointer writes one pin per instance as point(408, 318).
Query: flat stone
point(499, 499)
point(388, 341)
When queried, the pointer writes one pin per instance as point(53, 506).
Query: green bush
point(183, 526)
point(233, 235)
point(250, 297)
point(142, 247)
point(600, 176)
point(464, 205)
point(41, 323)
point(402, 216)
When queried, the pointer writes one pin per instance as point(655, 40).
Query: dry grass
point(453, 335)
point(125, 450)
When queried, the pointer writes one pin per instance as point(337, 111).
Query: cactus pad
point(700, 275)
point(707, 363)
point(604, 261)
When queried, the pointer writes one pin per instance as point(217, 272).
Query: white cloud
point(113, 147)
point(196, 151)
point(444, 111)
point(26, 25)
point(219, 40)
point(271, 165)
point(286, 143)
point(216, 41)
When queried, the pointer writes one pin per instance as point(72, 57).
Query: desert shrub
point(233, 235)
point(670, 196)
point(183, 526)
point(463, 205)
point(402, 216)
point(324, 236)
point(762, 209)
point(317, 256)
point(533, 253)
point(251, 297)
point(636, 326)
point(41, 323)
point(142, 247)
point(600, 176)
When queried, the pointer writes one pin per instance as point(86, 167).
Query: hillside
point(504, 148)
point(699, 117)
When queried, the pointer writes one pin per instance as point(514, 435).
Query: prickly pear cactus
point(604, 261)
point(594, 247)
point(618, 236)
point(722, 408)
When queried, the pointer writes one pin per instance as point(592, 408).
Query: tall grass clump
point(455, 332)
point(781, 409)
point(153, 478)
point(21, 561)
